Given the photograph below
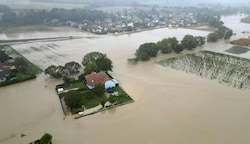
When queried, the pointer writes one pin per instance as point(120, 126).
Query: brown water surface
point(170, 106)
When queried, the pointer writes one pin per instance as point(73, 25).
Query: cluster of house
point(5, 69)
point(129, 20)
point(99, 27)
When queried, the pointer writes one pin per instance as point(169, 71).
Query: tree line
point(222, 32)
point(93, 61)
point(166, 46)
point(58, 15)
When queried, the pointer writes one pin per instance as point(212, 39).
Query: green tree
point(189, 42)
point(21, 65)
point(56, 71)
point(90, 67)
point(73, 99)
point(103, 101)
point(72, 67)
point(178, 48)
point(61, 72)
point(165, 46)
point(92, 57)
point(46, 139)
point(9, 18)
point(51, 70)
point(200, 40)
point(3, 56)
point(102, 62)
point(168, 44)
point(67, 79)
point(228, 34)
point(99, 90)
point(142, 56)
point(146, 51)
point(212, 37)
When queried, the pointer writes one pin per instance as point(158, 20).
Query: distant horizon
point(149, 2)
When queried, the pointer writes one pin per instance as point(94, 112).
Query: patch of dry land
point(226, 69)
point(246, 19)
point(241, 42)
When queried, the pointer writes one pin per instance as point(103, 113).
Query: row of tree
point(166, 45)
point(221, 33)
point(93, 61)
point(63, 71)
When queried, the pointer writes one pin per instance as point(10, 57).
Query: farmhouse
point(99, 78)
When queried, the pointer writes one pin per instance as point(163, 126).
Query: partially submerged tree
point(56, 71)
point(62, 71)
point(200, 40)
point(189, 42)
point(102, 62)
point(146, 51)
point(73, 99)
point(72, 67)
point(46, 139)
point(178, 48)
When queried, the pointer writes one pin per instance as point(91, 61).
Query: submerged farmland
point(227, 69)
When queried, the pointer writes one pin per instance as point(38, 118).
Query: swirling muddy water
point(170, 106)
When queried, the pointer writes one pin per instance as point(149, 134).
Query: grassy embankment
point(15, 76)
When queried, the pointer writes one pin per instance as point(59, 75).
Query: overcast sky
point(160, 2)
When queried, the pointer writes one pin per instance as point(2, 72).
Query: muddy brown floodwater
point(170, 106)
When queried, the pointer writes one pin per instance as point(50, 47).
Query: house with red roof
point(102, 78)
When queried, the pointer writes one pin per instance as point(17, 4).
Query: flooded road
point(170, 106)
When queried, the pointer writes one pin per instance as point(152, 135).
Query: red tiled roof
point(96, 78)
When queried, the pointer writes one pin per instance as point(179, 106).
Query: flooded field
point(170, 106)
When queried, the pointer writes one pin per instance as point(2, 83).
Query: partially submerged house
point(102, 78)
point(4, 72)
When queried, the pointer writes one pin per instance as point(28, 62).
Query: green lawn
point(90, 100)
point(77, 85)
